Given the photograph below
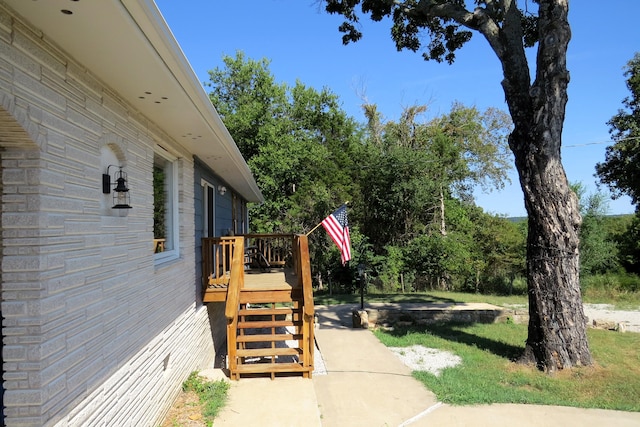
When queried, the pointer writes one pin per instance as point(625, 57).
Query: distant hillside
point(524, 218)
point(517, 218)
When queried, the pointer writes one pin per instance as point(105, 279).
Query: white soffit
point(128, 45)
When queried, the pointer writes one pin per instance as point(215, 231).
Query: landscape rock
point(360, 319)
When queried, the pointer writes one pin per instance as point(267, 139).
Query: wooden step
point(267, 324)
point(269, 351)
point(264, 311)
point(268, 337)
point(270, 296)
point(259, 368)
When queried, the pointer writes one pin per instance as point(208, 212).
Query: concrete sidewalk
point(367, 385)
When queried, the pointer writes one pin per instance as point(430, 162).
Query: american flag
point(337, 225)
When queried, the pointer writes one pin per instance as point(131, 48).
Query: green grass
point(621, 300)
point(488, 373)
point(432, 296)
point(212, 395)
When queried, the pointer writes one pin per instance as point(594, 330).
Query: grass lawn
point(489, 375)
point(621, 301)
point(433, 296)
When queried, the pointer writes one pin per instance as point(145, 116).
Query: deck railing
point(276, 249)
point(217, 256)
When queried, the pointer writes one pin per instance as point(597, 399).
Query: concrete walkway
point(366, 385)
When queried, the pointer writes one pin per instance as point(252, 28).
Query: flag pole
point(316, 227)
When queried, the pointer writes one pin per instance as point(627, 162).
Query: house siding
point(223, 222)
point(95, 333)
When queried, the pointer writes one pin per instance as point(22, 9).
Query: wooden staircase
point(269, 312)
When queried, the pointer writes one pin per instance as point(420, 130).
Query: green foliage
point(212, 394)
point(598, 250)
point(412, 218)
point(159, 203)
point(628, 241)
point(418, 173)
point(620, 289)
point(409, 182)
point(621, 169)
point(438, 20)
point(308, 157)
point(390, 268)
point(249, 102)
point(489, 375)
point(300, 145)
point(438, 260)
point(345, 278)
point(498, 253)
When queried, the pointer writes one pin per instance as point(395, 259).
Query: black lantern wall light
point(120, 190)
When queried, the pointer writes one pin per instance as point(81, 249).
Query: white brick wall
point(95, 334)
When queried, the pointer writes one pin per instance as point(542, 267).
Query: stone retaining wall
point(409, 317)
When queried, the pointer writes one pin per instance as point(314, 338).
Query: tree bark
point(557, 324)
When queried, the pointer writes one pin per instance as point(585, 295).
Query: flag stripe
point(337, 226)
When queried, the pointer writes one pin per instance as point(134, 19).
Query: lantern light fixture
point(121, 198)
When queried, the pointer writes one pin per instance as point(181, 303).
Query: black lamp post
point(361, 277)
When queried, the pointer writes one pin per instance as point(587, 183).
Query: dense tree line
point(620, 171)
point(412, 217)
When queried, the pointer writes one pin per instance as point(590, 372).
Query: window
point(165, 207)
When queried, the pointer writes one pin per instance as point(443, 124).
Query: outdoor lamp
point(362, 278)
point(222, 189)
point(120, 191)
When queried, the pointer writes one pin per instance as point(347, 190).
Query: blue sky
point(303, 43)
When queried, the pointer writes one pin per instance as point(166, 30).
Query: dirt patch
point(420, 358)
point(185, 412)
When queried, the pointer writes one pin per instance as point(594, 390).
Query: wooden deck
point(276, 279)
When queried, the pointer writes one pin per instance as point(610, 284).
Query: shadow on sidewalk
point(334, 316)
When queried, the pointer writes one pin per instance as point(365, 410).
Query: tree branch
point(481, 20)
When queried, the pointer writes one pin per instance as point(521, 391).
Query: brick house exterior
point(98, 329)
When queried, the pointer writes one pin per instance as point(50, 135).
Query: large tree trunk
point(557, 324)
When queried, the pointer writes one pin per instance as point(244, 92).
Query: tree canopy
point(409, 181)
point(620, 170)
point(298, 142)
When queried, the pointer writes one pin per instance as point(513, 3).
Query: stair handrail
point(236, 281)
point(303, 268)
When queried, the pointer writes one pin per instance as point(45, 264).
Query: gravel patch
point(604, 313)
point(420, 358)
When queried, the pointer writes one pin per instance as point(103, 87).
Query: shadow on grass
point(455, 332)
